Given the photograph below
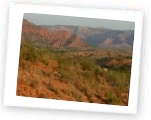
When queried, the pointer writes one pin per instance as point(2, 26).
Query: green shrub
point(43, 96)
point(67, 74)
point(28, 53)
point(51, 88)
point(87, 64)
point(46, 73)
point(98, 71)
point(76, 95)
point(45, 59)
point(33, 83)
point(22, 64)
point(111, 98)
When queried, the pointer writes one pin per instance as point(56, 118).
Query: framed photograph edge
point(16, 12)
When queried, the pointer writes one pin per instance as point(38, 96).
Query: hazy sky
point(43, 19)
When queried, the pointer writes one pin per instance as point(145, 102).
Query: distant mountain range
point(76, 36)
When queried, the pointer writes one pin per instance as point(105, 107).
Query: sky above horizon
point(44, 19)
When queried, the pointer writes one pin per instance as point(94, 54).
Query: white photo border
point(16, 12)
